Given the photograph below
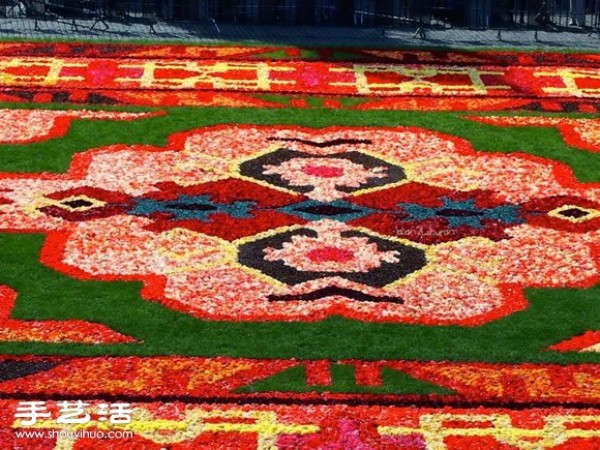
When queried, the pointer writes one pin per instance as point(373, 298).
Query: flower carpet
point(281, 248)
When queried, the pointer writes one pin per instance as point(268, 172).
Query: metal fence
point(476, 14)
point(561, 15)
point(93, 14)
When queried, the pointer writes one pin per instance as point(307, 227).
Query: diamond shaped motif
point(337, 210)
point(574, 213)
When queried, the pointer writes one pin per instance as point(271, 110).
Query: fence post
point(480, 11)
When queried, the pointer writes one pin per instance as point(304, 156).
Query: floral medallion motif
point(284, 223)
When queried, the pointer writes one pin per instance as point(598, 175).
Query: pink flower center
point(324, 171)
point(329, 253)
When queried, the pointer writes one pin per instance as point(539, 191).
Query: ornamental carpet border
point(272, 77)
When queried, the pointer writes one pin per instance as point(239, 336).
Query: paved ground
point(345, 36)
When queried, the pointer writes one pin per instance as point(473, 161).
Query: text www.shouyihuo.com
point(66, 434)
